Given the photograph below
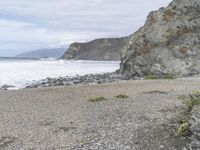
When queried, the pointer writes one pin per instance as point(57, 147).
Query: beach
point(62, 118)
point(100, 75)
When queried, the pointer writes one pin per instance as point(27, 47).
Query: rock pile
point(86, 79)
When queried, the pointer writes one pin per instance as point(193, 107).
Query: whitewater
point(21, 73)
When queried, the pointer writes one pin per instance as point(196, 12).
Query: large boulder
point(99, 49)
point(169, 42)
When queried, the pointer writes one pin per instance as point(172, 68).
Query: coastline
point(62, 117)
point(22, 74)
point(90, 79)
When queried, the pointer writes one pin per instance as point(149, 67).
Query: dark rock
point(5, 87)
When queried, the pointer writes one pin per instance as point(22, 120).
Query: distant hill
point(44, 53)
point(99, 49)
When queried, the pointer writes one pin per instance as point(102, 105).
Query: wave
point(20, 73)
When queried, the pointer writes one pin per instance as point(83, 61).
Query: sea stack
point(169, 42)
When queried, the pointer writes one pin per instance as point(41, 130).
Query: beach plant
point(155, 92)
point(183, 129)
point(168, 76)
point(191, 100)
point(150, 77)
point(97, 99)
point(196, 92)
point(182, 120)
point(192, 103)
point(122, 96)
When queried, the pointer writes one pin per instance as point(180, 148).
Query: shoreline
point(90, 79)
point(29, 73)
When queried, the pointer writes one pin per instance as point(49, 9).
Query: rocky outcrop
point(99, 49)
point(169, 42)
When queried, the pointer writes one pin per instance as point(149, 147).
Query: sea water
point(20, 73)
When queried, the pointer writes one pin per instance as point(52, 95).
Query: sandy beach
point(62, 118)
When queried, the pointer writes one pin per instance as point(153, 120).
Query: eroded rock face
point(169, 42)
point(99, 49)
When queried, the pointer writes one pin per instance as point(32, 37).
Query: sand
point(62, 118)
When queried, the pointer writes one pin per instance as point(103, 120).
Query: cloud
point(48, 22)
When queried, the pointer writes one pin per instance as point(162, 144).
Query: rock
point(99, 49)
point(86, 79)
point(169, 42)
point(76, 81)
point(5, 87)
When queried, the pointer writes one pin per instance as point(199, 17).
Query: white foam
point(19, 73)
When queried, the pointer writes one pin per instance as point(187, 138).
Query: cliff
point(169, 42)
point(99, 49)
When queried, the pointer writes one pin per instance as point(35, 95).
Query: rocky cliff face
point(169, 42)
point(100, 49)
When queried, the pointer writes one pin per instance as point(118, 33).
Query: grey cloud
point(70, 14)
point(77, 20)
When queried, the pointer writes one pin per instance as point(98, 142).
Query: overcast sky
point(26, 25)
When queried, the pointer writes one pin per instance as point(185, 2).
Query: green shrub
point(154, 77)
point(155, 92)
point(182, 120)
point(150, 77)
point(168, 76)
point(97, 99)
point(183, 129)
point(122, 96)
point(196, 92)
point(190, 101)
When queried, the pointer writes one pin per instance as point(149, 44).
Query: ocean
point(19, 73)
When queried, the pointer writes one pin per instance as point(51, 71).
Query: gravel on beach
point(62, 118)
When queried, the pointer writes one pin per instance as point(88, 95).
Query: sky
point(26, 25)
